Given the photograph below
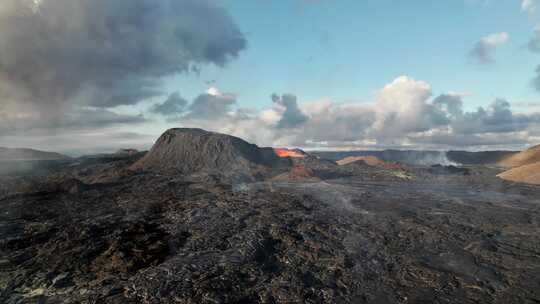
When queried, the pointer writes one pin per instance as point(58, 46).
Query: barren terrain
point(96, 232)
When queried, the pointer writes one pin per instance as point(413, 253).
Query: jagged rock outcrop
point(196, 151)
point(96, 232)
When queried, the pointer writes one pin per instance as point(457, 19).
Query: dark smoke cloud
point(107, 53)
point(174, 105)
point(293, 116)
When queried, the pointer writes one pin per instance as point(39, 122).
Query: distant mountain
point(127, 152)
point(417, 157)
point(410, 157)
point(192, 151)
point(478, 158)
point(21, 154)
point(527, 157)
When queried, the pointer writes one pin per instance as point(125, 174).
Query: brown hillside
point(529, 174)
point(529, 156)
point(297, 173)
point(371, 161)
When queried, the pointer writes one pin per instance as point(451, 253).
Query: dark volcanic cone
point(188, 151)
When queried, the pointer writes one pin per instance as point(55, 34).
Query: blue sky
point(346, 50)
point(87, 76)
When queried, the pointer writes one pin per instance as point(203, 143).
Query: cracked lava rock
point(97, 231)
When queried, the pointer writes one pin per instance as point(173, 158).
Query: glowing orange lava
point(289, 153)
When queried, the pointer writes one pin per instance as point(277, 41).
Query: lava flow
point(282, 152)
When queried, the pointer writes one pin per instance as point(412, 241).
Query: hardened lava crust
point(107, 230)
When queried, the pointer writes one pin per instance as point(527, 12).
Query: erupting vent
point(294, 153)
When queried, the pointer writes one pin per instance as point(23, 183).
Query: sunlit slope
point(370, 160)
point(529, 156)
point(529, 174)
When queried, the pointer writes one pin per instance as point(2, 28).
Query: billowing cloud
point(401, 107)
point(497, 118)
point(65, 64)
point(211, 105)
point(174, 105)
point(291, 115)
point(446, 107)
point(482, 52)
point(107, 53)
point(404, 113)
point(332, 124)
